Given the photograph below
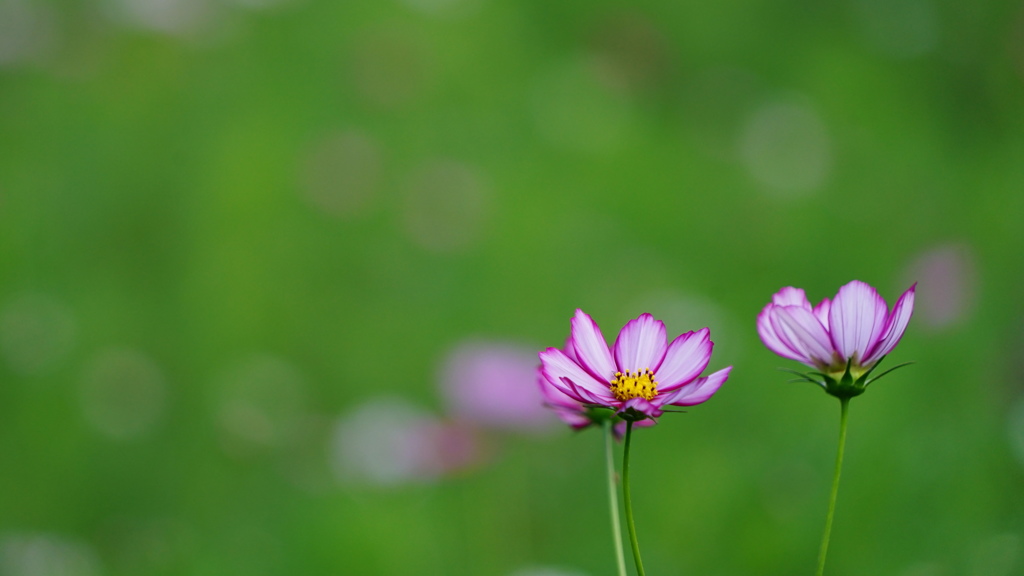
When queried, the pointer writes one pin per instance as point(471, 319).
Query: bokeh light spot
point(447, 206)
point(36, 333)
point(436, 7)
point(390, 442)
point(714, 104)
point(575, 111)
point(899, 28)
point(26, 31)
point(123, 393)
point(145, 545)
point(631, 55)
point(262, 4)
point(786, 148)
point(947, 280)
point(390, 68)
point(341, 173)
point(996, 556)
point(926, 569)
point(171, 17)
point(41, 554)
point(1015, 429)
point(262, 406)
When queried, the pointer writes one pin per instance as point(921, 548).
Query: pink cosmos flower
point(844, 338)
point(641, 377)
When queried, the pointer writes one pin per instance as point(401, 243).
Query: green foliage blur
point(225, 225)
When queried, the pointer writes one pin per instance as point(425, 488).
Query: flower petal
point(856, 320)
point(641, 344)
point(566, 408)
point(895, 325)
point(771, 338)
point(700, 390)
point(685, 359)
point(555, 366)
point(591, 347)
point(790, 296)
point(575, 419)
point(821, 312)
point(642, 406)
point(564, 386)
point(569, 350)
point(586, 396)
point(798, 329)
point(553, 396)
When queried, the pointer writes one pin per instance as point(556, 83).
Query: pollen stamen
point(634, 384)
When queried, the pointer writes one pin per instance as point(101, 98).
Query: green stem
point(844, 406)
point(629, 503)
point(613, 499)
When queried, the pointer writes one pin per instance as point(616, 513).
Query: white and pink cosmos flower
point(844, 339)
point(639, 376)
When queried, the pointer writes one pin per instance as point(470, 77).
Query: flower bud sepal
point(631, 414)
point(598, 414)
point(844, 385)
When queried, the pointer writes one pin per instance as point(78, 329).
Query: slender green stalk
point(844, 406)
point(613, 498)
point(628, 502)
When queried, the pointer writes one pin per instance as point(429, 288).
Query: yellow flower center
point(629, 385)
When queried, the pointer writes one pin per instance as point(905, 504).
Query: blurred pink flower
point(492, 384)
point(642, 376)
point(844, 338)
point(388, 441)
point(948, 280)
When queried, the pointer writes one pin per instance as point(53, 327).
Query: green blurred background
point(240, 240)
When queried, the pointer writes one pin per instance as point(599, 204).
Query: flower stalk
point(844, 403)
point(613, 499)
point(633, 382)
point(843, 340)
point(629, 504)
